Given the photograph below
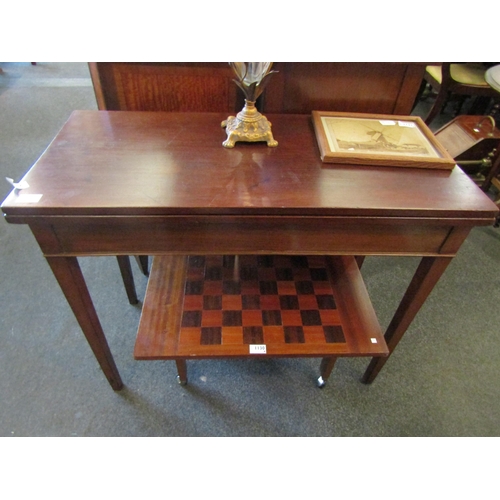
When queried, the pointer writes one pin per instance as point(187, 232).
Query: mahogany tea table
point(162, 184)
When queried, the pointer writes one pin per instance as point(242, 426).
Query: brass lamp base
point(248, 126)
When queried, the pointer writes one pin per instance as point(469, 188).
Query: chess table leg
point(127, 277)
point(426, 276)
point(143, 263)
point(359, 260)
point(325, 370)
point(70, 278)
point(182, 371)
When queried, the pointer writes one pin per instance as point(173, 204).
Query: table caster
point(320, 382)
point(181, 382)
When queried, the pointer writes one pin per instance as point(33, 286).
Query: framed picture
point(378, 140)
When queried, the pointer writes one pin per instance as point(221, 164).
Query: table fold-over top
point(153, 163)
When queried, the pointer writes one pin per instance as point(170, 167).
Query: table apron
point(74, 236)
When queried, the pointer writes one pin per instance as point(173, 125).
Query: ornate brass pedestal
point(248, 126)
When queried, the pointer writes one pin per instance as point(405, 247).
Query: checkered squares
point(259, 300)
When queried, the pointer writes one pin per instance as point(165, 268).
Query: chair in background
point(462, 79)
point(492, 76)
point(474, 143)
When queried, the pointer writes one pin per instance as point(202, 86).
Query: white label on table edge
point(28, 198)
point(258, 349)
point(374, 340)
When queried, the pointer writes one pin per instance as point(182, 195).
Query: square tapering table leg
point(128, 278)
point(70, 278)
point(426, 276)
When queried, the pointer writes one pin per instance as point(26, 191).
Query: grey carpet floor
point(442, 380)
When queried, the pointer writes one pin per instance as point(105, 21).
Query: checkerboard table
point(161, 184)
point(267, 305)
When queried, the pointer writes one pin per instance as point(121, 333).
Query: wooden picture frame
point(378, 140)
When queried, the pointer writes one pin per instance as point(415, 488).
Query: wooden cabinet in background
point(389, 88)
point(182, 87)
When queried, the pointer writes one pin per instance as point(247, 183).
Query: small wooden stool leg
point(325, 369)
point(182, 371)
